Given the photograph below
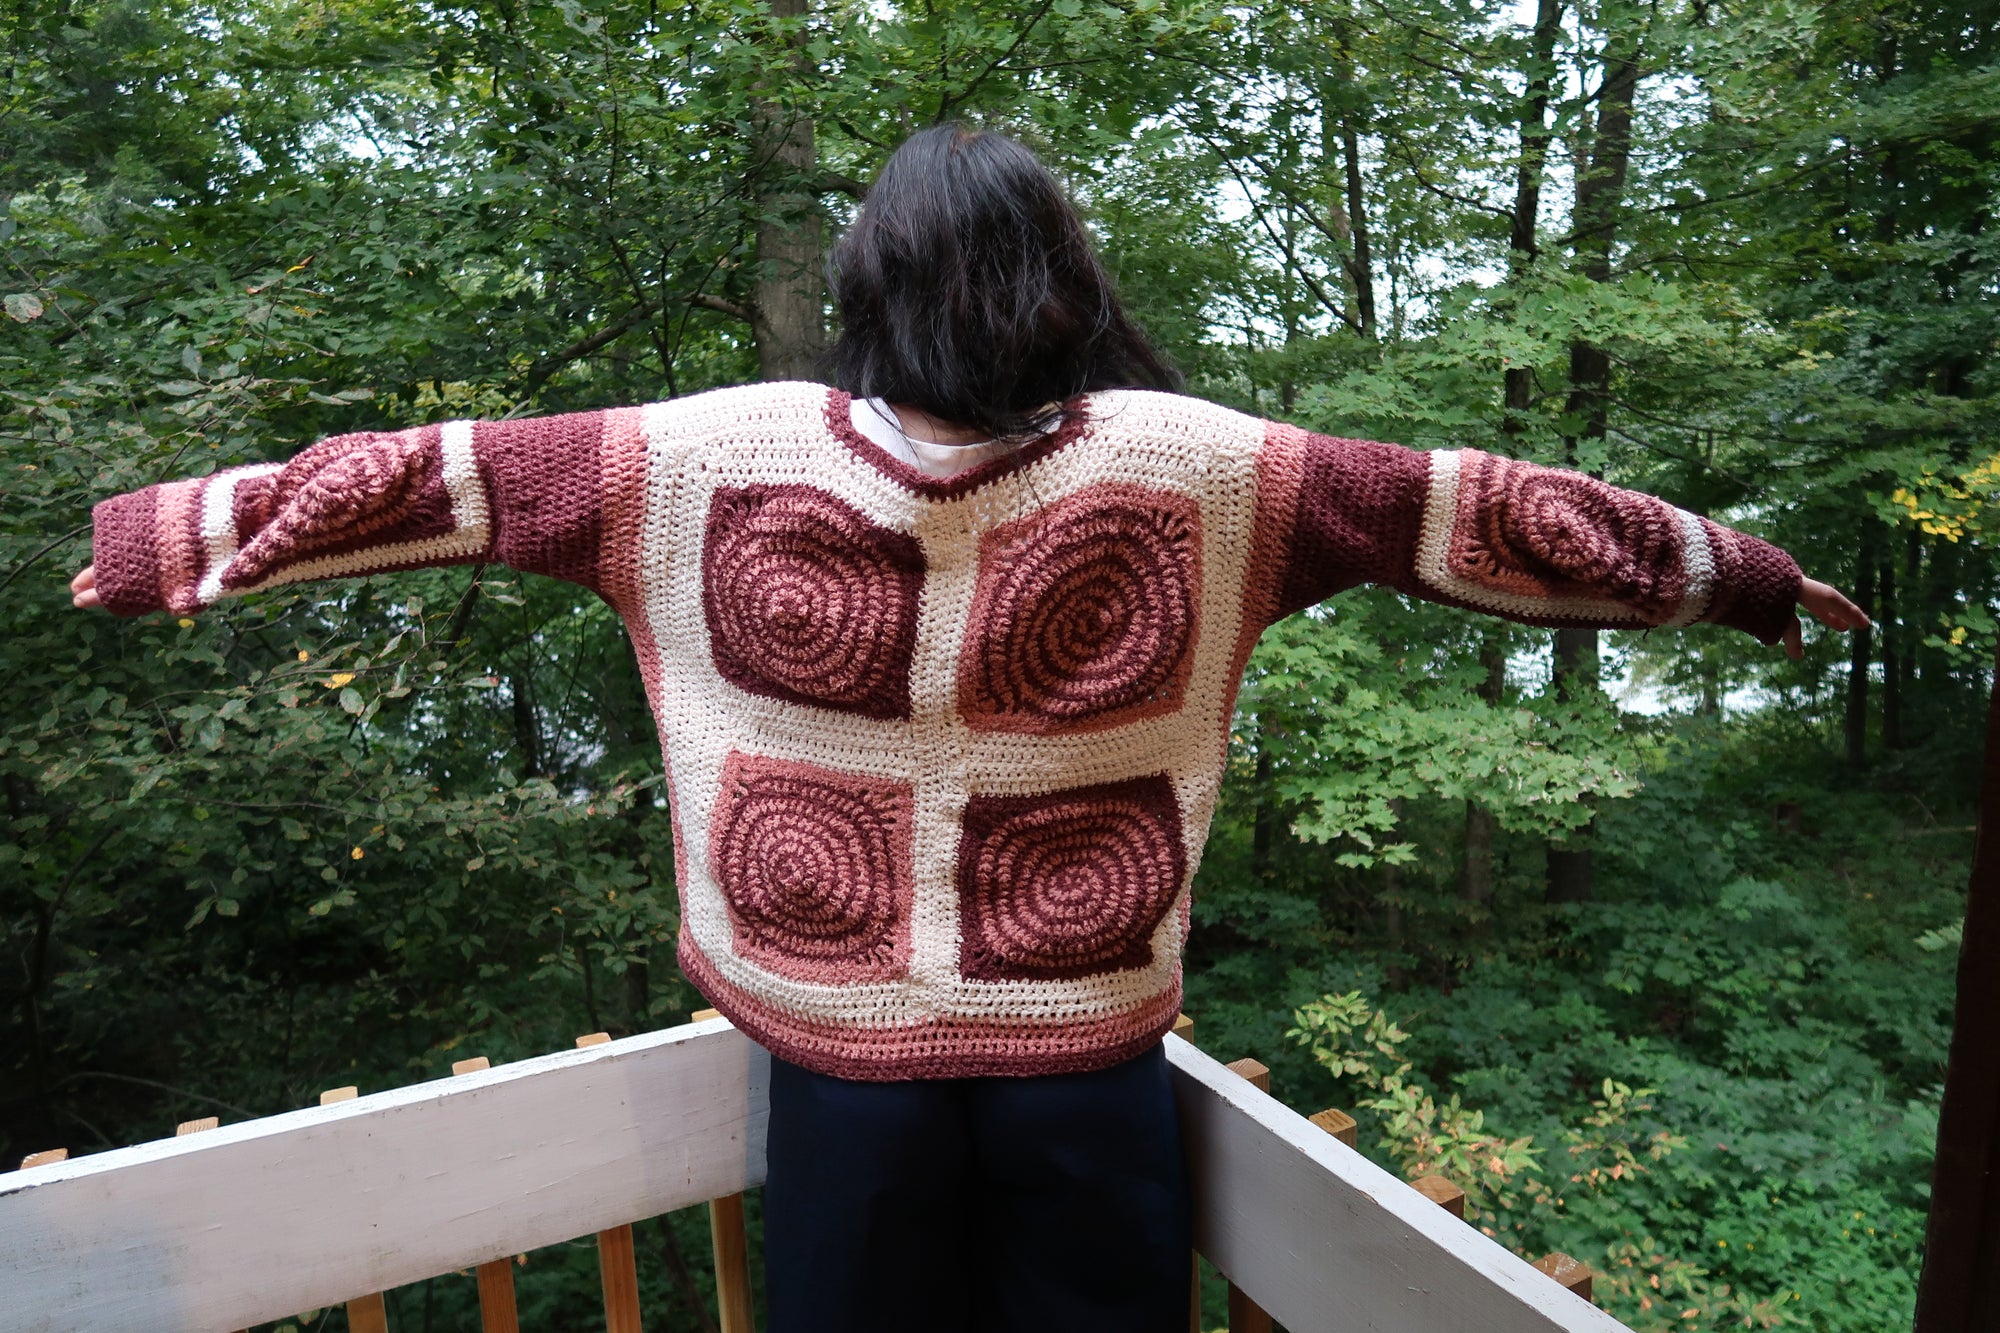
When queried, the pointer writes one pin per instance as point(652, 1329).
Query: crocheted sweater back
point(941, 753)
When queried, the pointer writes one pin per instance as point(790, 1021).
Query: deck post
point(1572, 1274)
point(1339, 1124)
point(497, 1312)
point(197, 1126)
point(1245, 1315)
point(1183, 1028)
point(1443, 1193)
point(731, 1243)
point(617, 1259)
point(732, 1263)
point(365, 1314)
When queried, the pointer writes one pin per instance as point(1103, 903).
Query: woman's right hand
point(1830, 606)
point(83, 589)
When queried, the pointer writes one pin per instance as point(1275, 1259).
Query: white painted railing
point(255, 1221)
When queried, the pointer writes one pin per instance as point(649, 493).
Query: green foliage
point(343, 834)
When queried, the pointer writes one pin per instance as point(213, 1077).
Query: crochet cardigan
point(941, 753)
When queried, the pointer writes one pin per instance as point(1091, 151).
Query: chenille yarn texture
point(942, 753)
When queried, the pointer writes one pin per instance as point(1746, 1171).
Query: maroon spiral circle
point(342, 494)
point(808, 601)
point(1085, 615)
point(815, 868)
point(1069, 884)
point(1565, 529)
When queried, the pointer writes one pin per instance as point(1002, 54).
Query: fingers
point(1830, 606)
point(1851, 613)
point(83, 589)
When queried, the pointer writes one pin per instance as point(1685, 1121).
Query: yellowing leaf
point(338, 678)
point(356, 854)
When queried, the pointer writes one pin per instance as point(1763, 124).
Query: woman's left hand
point(1830, 607)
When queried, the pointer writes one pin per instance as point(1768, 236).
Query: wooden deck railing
point(243, 1224)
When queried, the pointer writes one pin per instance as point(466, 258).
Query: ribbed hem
point(944, 1047)
point(1757, 586)
point(125, 552)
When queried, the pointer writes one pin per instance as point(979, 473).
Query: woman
point(943, 662)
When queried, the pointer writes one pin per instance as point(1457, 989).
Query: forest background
point(1646, 939)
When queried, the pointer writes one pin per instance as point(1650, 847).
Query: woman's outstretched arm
point(533, 494)
point(1533, 544)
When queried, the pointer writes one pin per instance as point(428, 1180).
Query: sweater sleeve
point(535, 494)
point(1528, 543)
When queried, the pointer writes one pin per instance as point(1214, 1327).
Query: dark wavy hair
point(968, 288)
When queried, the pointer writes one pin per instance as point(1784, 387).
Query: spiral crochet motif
point(1068, 884)
point(335, 495)
point(1085, 615)
point(1537, 531)
point(815, 867)
point(808, 601)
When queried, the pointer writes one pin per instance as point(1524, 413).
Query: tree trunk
point(1361, 261)
point(1392, 911)
point(790, 308)
point(1522, 242)
point(1892, 666)
point(1600, 189)
point(639, 982)
point(1522, 245)
point(1342, 122)
point(1475, 878)
point(527, 726)
point(1861, 653)
point(1570, 868)
point(1264, 826)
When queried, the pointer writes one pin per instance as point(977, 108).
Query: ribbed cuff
point(1757, 589)
point(125, 551)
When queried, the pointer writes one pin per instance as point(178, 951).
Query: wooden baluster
point(1184, 1029)
point(46, 1157)
point(496, 1297)
point(496, 1276)
point(1442, 1193)
point(1337, 1123)
point(1574, 1276)
point(365, 1314)
point(731, 1243)
point(617, 1263)
point(1254, 1071)
point(199, 1125)
point(732, 1263)
point(1245, 1315)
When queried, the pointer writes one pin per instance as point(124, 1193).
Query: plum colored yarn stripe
point(942, 752)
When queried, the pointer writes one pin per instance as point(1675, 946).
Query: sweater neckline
point(840, 420)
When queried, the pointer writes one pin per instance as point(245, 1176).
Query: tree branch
point(835, 182)
point(541, 371)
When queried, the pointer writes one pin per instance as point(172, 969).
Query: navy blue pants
point(1000, 1205)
